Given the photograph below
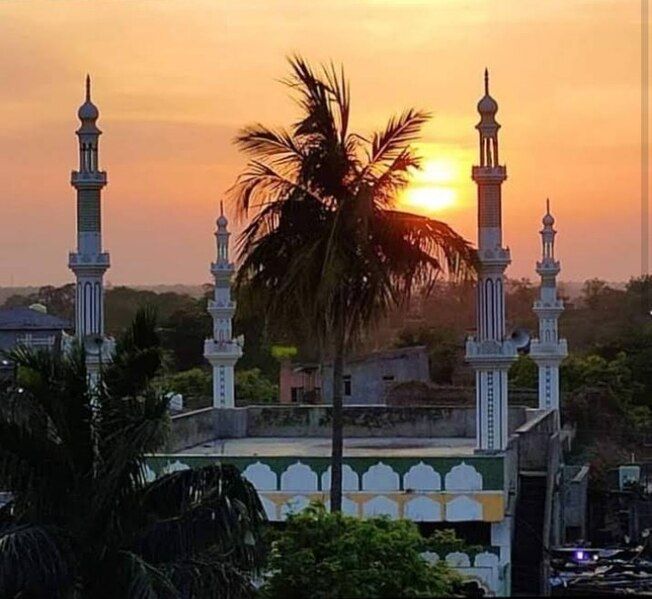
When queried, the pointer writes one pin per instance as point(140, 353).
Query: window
point(347, 385)
point(388, 378)
point(297, 394)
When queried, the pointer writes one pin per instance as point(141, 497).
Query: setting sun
point(433, 187)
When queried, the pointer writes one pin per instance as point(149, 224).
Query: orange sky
point(174, 79)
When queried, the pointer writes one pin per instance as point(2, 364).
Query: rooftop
point(321, 447)
point(27, 318)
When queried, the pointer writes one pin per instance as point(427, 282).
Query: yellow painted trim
point(493, 502)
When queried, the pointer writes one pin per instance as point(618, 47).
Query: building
point(490, 353)
point(492, 472)
point(31, 327)
point(367, 378)
point(299, 383)
point(548, 350)
point(222, 351)
point(90, 261)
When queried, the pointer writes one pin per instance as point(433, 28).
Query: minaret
point(89, 262)
point(222, 351)
point(548, 350)
point(489, 353)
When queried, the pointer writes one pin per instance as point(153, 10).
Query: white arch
point(380, 477)
point(462, 509)
point(422, 509)
point(261, 476)
point(380, 506)
point(299, 477)
point(463, 478)
point(350, 479)
point(422, 477)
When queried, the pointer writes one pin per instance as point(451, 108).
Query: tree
point(524, 373)
point(252, 387)
point(184, 333)
point(83, 520)
point(445, 350)
point(325, 250)
point(195, 385)
point(320, 555)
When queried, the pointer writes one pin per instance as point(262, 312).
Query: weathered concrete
point(202, 426)
point(416, 393)
point(533, 436)
point(368, 421)
point(371, 376)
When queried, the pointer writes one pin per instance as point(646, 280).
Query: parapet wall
point(201, 426)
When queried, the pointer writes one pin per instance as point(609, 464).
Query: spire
point(88, 112)
point(548, 219)
point(222, 221)
point(488, 127)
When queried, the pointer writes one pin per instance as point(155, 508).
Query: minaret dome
point(487, 106)
point(88, 112)
point(222, 221)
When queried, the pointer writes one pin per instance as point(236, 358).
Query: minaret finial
point(548, 205)
point(221, 208)
point(88, 87)
point(486, 81)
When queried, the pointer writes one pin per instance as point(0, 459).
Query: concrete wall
point(413, 393)
point(533, 436)
point(575, 481)
point(201, 426)
point(368, 421)
point(194, 428)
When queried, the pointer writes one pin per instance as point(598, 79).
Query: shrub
point(324, 555)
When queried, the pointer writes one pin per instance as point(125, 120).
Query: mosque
point(494, 473)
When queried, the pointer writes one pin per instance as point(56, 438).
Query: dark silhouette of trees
point(85, 519)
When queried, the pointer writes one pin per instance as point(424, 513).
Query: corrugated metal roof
point(26, 318)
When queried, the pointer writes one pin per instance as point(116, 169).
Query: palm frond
point(207, 576)
point(126, 574)
point(394, 140)
point(36, 560)
point(192, 511)
point(263, 142)
point(138, 356)
point(262, 184)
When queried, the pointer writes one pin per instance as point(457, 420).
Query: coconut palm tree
point(83, 520)
point(326, 249)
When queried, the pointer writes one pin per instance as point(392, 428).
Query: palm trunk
point(338, 424)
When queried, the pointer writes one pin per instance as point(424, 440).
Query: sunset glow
point(432, 189)
point(174, 82)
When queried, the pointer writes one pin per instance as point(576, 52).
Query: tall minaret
point(89, 262)
point(548, 350)
point(489, 353)
point(222, 351)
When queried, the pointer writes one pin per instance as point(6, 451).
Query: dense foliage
point(196, 386)
point(83, 520)
point(321, 555)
